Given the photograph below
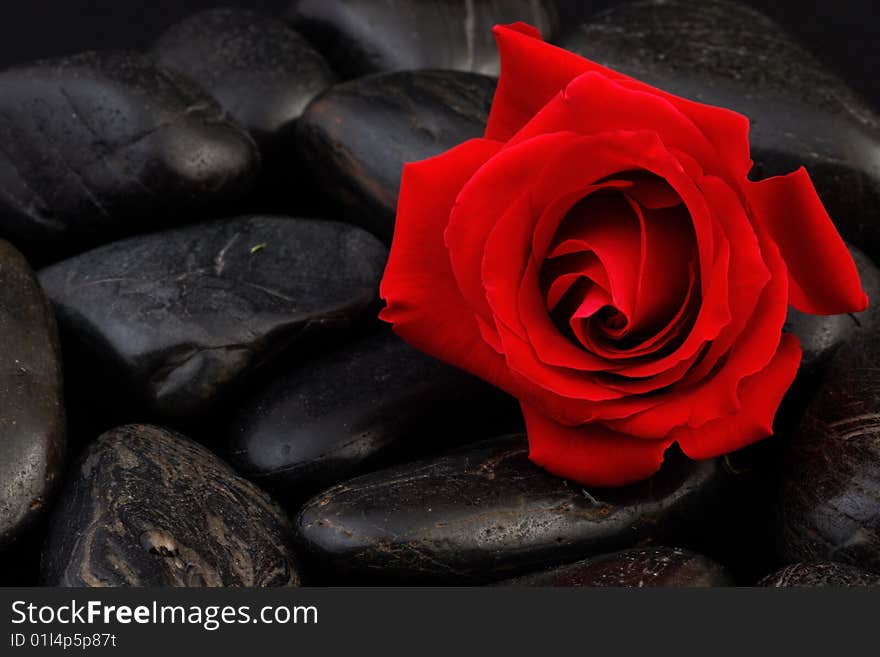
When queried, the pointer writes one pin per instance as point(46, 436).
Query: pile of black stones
point(194, 387)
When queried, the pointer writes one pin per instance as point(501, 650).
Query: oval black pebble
point(181, 319)
point(822, 336)
point(361, 406)
point(148, 507)
point(486, 513)
point(260, 71)
point(32, 440)
point(356, 137)
point(820, 574)
point(830, 470)
point(727, 54)
point(638, 567)
point(364, 36)
point(100, 145)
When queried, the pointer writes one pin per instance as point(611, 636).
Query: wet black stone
point(363, 36)
point(148, 507)
point(820, 574)
point(100, 145)
point(363, 406)
point(744, 529)
point(830, 471)
point(822, 336)
point(639, 567)
point(486, 513)
point(32, 440)
point(181, 320)
point(357, 136)
point(260, 71)
point(727, 54)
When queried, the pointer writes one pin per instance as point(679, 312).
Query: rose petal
point(760, 395)
point(482, 201)
point(561, 383)
point(591, 454)
point(608, 225)
point(668, 247)
point(678, 327)
point(650, 191)
point(749, 274)
point(717, 395)
point(590, 270)
point(824, 279)
point(423, 300)
point(575, 109)
point(533, 72)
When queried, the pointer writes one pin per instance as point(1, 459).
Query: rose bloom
point(601, 255)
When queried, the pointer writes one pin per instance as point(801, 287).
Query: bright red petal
point(824, 279)
point(577, 109)
point(533, 72)
point(718, 394)
point(423, 300)
point(760, 395)
point(591, 454)
point(483, 199)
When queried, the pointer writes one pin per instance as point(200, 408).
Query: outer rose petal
point(591, 454)
point(533, 71)
point(823, 276)
point(424, 303)
point(483, 198)
point(575, 109)
point(760, 395)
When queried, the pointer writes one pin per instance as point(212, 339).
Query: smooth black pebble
point(261, 71)
point(364, 36)
point(100, 145)
point(725, 53)
point(362, 406)
point(649, 567)
point(356, 137)
point(148, 507)
point(487, 513)
point(829, 498)
point(820, 574)
point(32, 435)
point(174, 324)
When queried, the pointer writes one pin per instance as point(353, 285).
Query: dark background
point(843, 33)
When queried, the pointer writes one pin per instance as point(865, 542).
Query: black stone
point(727, 54)
point(100, 145)
point(181, 320)
point(830, 470)
point(638, 567)
point(363, 406)
point(32, 440)
point(486, 513)
point(364, 36)
point(820, 574)
point(822, 336)
point(357, 136)
point(745, 527)
point(148, 507)
point(260, 71)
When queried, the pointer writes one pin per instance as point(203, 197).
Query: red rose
point(601, 255)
